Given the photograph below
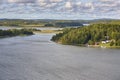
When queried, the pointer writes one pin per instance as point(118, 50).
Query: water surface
point(39, 28)
point(37, 58)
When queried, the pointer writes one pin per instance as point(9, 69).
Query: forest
point(94, 34)
point(15, 32)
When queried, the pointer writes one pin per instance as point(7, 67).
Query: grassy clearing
point(49, 31)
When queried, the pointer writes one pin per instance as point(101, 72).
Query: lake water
point(39, 28)
point(6, 28)
point(37, 58)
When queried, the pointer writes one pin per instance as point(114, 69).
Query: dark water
point(37, 58)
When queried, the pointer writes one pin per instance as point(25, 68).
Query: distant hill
point(53, 22)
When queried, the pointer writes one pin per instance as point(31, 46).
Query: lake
point(37, 58)
point(38, 28)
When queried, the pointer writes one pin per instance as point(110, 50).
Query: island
point(15, 32)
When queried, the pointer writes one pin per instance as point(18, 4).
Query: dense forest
point(94, 34)
point(15, 32)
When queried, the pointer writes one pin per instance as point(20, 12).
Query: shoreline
point(91, 46)
point(99, 46)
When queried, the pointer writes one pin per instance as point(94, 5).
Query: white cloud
point(21, 1)
point(68, 5)
point(41, 1)
point(12, 1)
point(107, 0)
point(61, 6)
point(79, 3)
point(55, 1)
point(89, 4)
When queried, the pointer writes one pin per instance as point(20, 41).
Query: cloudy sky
point(60, 9)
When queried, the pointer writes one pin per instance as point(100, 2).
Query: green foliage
point(90, 42)
point(112, 43)
point(118, 42)
point(89, 34)
point(68, 24)
point(15, 32)
point(48, 25)
point(58, 36)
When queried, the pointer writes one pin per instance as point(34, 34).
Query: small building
point(104, 42)
point(108, 41)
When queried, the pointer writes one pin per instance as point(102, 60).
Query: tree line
point(38, 23)
point(92, 34)
point(15, 32)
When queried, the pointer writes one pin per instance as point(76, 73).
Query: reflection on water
point(37, 58)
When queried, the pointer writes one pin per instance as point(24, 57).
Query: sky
point(59, 9)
